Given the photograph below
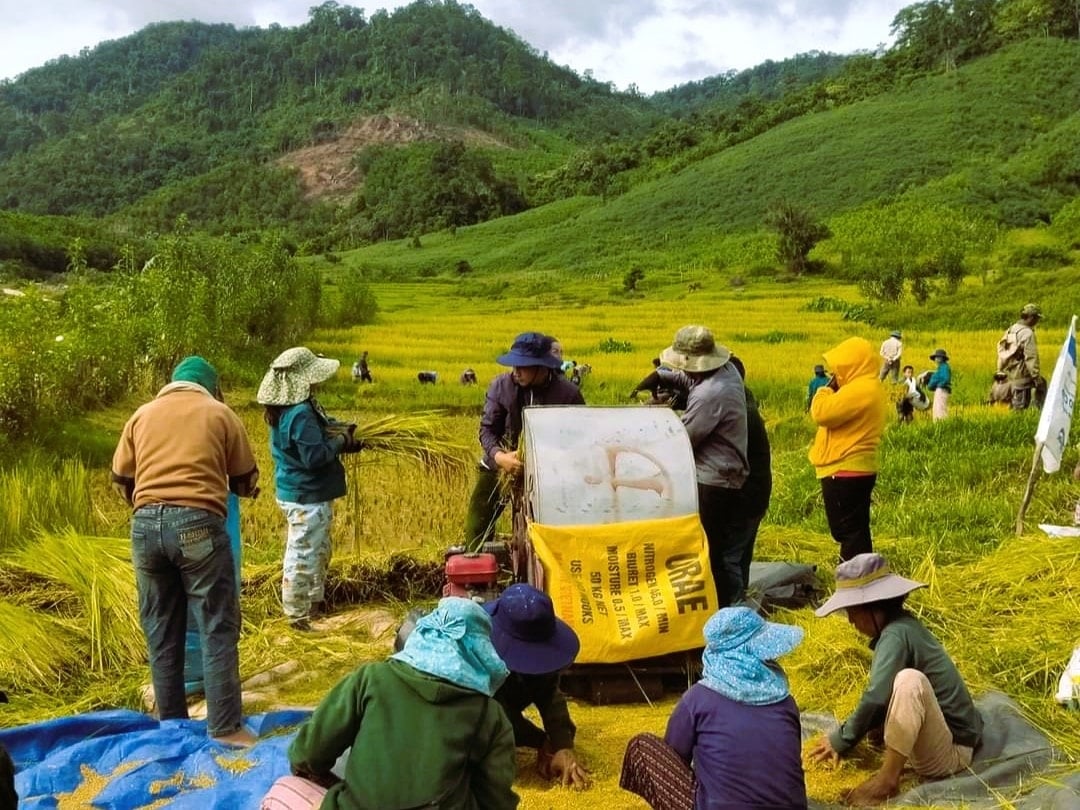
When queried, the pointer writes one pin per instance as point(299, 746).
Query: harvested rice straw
point(413, 438)
point(99, 571)
point(38, 648)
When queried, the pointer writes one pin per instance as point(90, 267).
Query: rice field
point(944, 510)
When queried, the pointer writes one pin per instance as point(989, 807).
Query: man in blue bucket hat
point(536, 646)
point(533, 381)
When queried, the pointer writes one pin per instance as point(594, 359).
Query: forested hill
point(92, 133)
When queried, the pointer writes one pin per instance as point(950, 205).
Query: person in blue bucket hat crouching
point(734, 739)
point(536, 646)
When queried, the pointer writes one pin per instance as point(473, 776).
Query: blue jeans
point(182, 557)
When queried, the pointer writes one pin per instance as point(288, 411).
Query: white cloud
point(654, 44)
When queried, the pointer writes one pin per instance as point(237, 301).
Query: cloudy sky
point(654, 44)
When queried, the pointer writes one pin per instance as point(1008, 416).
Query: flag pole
point(1030, 490)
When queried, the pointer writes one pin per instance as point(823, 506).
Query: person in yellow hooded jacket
point(850, 412)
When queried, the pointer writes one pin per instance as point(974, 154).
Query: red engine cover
point(472, 569)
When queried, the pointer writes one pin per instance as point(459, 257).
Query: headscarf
point(195, 369)
point(453, 642)
point(738, 643)
point(291, 375)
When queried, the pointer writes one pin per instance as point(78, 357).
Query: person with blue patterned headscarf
point(421, 729)
point(738, 727)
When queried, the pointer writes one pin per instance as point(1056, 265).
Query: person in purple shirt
point(734, 740)
point(533, 381)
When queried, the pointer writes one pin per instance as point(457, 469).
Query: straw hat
point(694, 349)
point(291, 375)
point(863, 579)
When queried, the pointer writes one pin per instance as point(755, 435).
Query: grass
point(944, 509)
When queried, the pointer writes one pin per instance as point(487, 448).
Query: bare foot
point(874, 791)
point(241, 738)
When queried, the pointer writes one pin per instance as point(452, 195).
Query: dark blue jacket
point(500, 426)
point(306, 464)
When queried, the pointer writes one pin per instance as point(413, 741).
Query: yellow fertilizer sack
point(630, 590)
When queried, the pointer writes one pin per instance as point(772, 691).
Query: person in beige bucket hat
point(716, 424)
point(915, 692)
point(306, 445)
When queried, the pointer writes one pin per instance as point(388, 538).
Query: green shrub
point(610, 345)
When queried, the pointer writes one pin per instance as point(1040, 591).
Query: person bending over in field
point(306, 445)
point(915, 691)
point(734, 740)
point(536, 646)
point(533, 381)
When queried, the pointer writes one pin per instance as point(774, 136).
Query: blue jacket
point(306, 464)
point(941, 378)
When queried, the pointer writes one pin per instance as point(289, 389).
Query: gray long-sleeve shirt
point(715, 421)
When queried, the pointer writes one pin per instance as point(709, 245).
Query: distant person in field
point(850, 413)
point(360, 370)
point(178, 458)
point(819, 379)
point(661, 393)
point(306, 445)
point(940, 383)
point(890, 353)
point(533, 381)
point(1000, 390)
point(1018, 357)
point(915, 692)
point(420, 730)
point(536, 646)
point(913, 398)
point(734, 740)
point(716, 423)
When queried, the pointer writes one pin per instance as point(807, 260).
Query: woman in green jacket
point(422, 729)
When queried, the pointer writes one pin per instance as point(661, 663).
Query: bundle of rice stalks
point(38, 648)
point(413, 437)
point(98, 571)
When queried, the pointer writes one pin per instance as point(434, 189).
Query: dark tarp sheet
point(1013, 757)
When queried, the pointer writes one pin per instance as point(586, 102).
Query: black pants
point(847, 508)
point(723, 516)
point(8, 799)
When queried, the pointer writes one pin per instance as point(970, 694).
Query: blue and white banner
point(1056, 417)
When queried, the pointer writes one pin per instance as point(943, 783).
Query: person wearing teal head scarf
point(735, 738)
point(418, 730)
point(178, 458)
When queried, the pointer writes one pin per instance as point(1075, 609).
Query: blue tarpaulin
point(126, 760)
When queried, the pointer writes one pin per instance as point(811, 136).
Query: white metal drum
point(588, 465)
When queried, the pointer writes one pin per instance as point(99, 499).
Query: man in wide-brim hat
point(533, 380)
point(915, 691)
point(715, 421)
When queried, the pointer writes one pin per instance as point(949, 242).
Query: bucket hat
point(940, 354)
point(530, 349)
point(528, 635)
point(1030, 310)
point(819, 369)
point(863, 579)
point(291, 375)
point(896, 334)
point(695, 349)
point(738, 645)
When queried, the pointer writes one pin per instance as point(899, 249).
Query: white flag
point(1053, 430)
